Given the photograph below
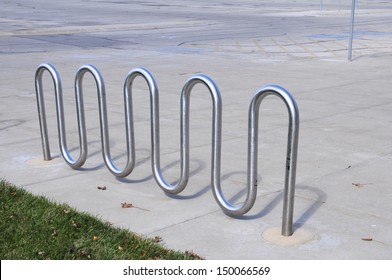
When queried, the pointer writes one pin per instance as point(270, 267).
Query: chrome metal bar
point(350, 43)
point(60, 119)
point(41, 104)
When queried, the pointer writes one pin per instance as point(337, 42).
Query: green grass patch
point(32, 227)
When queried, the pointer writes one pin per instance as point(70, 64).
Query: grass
point(34, 228)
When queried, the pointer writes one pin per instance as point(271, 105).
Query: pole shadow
point(199, 166)
point(204, 189)
point(321, 198)
point(317, 202)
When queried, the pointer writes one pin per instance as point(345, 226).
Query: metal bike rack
point(253, 115)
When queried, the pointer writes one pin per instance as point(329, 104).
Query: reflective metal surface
point(81, 119)
point(253, 125)
point(292, 147)
point(155, 134)
point(60, 119)
point(352, 20)
point(291, 159)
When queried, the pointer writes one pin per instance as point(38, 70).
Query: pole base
point(42, 162)
point(300, 236)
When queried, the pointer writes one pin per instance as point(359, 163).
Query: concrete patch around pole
point(41, 162)
point(300, 236)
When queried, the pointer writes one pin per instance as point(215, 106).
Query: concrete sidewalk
point(343, 192)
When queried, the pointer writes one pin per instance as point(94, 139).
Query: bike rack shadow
point(317, 202)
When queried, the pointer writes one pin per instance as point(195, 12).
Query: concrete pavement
point(343, 192)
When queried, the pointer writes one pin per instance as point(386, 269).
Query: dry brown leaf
point(126, 205)
point(193, 255)
point(130, 205)
point(367, 239)
point(157, 239)
point(360, 185)
point(95, 238)
point(13, 193)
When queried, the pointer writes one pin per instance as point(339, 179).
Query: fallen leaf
point(66, 211)
point(367, 239)
point(120, 248)
point(193, 255)
point(126, 205)
point(95, 237)
point(157, 239)
point(101, 188)
point(130, 205)
point(13, 193)
point(83, 253)
point(359, 185)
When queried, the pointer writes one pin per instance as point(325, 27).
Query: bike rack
point(253, 115)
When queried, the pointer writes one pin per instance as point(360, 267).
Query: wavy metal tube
point(155, 134)
point(253, 118)
point(227, 207)
point(292, 147)
point(291, 158)
point(103, 120)
point(81, 120)
point(75, 164)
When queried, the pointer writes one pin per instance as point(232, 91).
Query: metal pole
point(350, 47)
